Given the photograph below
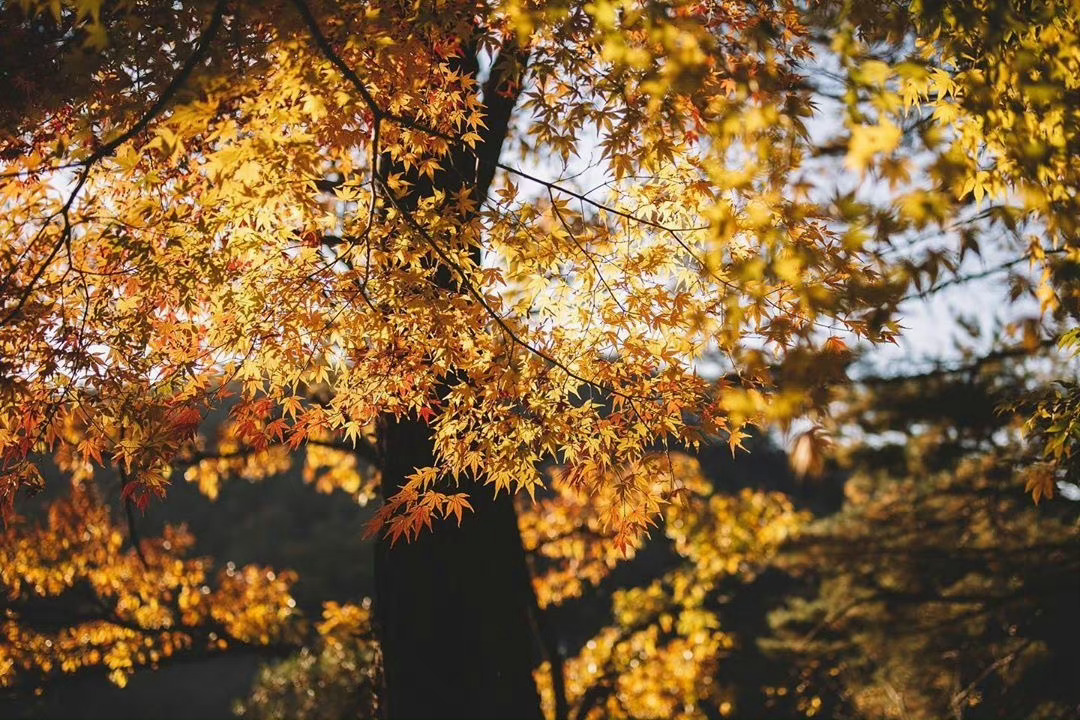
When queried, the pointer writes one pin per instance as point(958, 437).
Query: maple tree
point(939, 589)
point(76, 596)
point(465, 239)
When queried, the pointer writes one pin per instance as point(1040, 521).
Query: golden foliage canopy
point(261, 207)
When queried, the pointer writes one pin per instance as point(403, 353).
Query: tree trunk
point(453, 605)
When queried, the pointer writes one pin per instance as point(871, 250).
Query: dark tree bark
point(453, 605)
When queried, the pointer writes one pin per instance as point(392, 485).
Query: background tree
point(940, 590)
point(340, 679)
point(76, 597)
point(661, 656)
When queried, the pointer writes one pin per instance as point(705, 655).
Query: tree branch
point(501, 92)
point(963, 279)
point(202, 44)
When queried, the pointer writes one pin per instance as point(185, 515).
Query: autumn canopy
point(466, 254)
